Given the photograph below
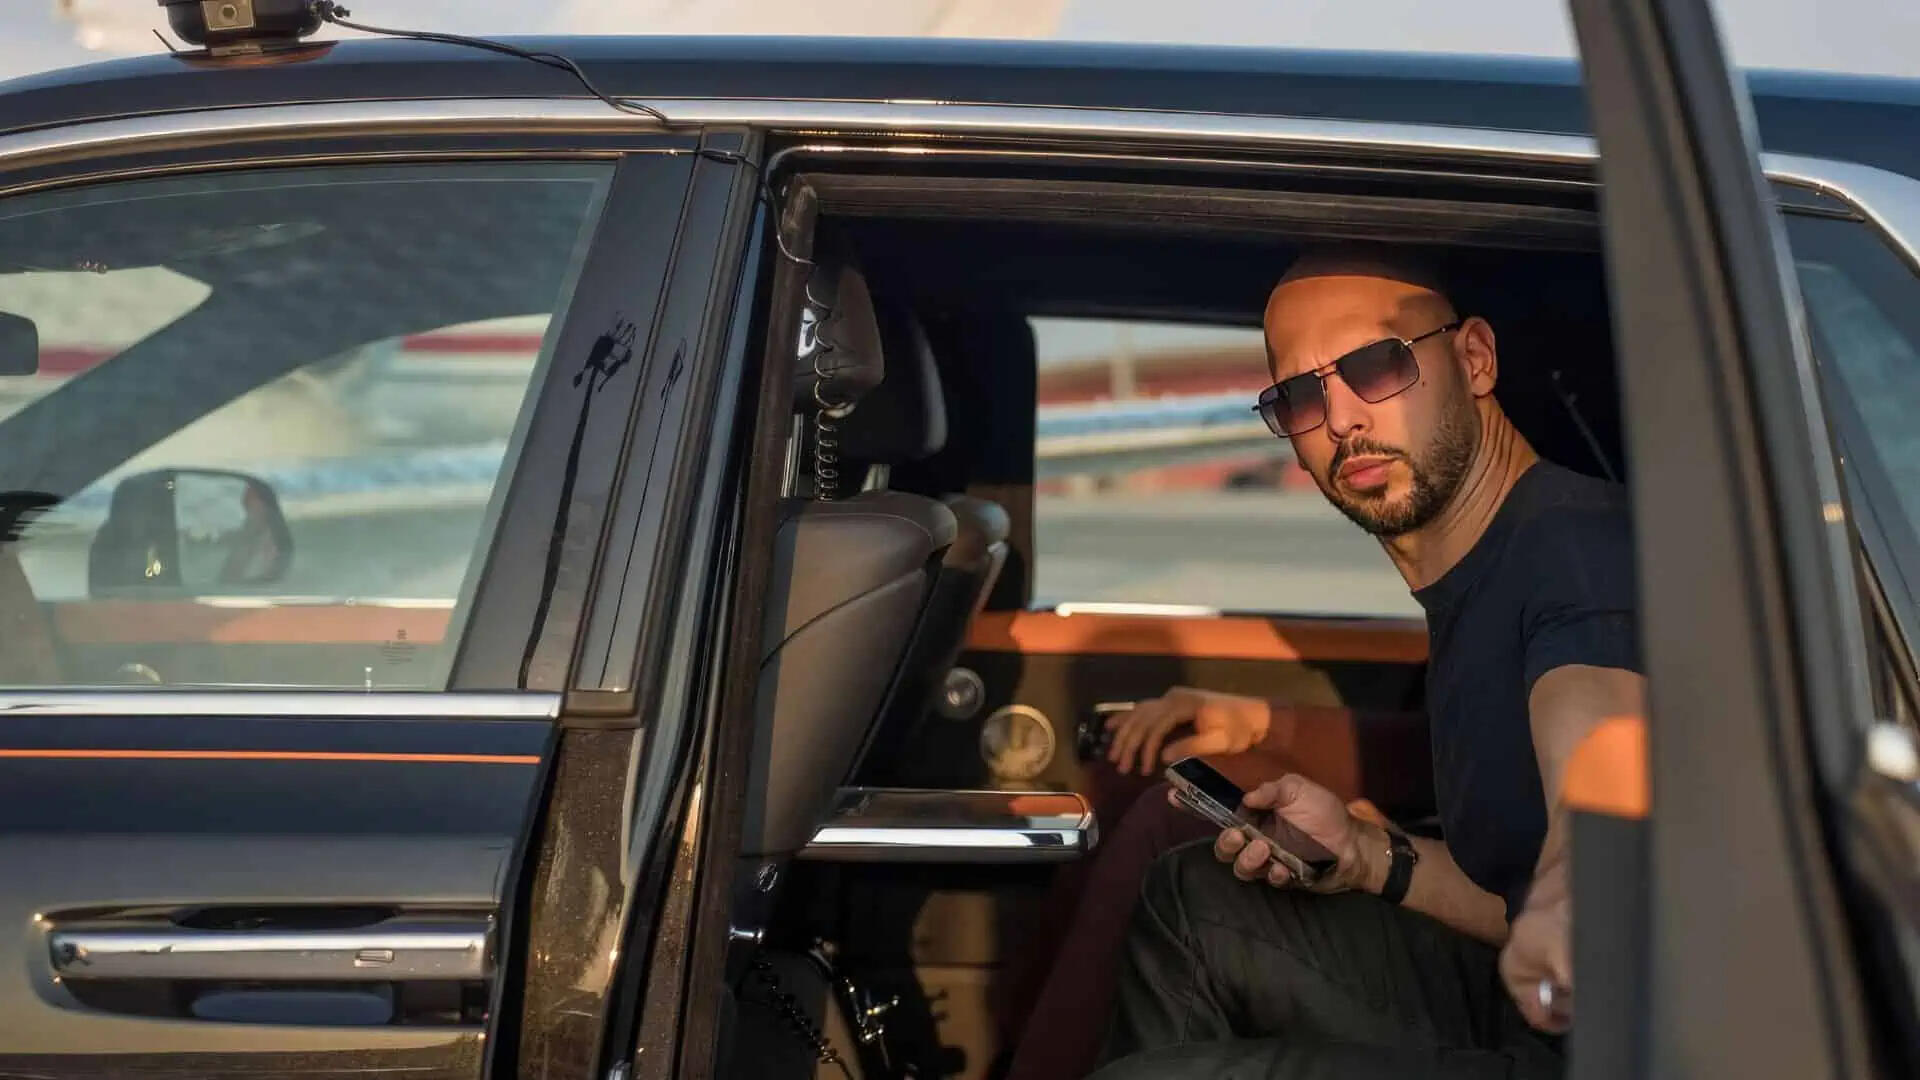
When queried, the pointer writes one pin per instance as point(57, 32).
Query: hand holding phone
point(1202, 789)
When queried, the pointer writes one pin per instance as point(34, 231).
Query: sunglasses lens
point(1293, 406)
point(1378, 371)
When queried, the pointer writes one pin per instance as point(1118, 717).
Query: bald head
point(1350, 293)
point(1362, 260)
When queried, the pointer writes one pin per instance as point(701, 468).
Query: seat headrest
point(905, 417)
point(840, 358)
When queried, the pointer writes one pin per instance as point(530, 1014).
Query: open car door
point(1714, 938)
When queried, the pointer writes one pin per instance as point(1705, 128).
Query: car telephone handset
point(1202, 789)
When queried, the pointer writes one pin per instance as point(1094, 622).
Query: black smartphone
point(1202, 789)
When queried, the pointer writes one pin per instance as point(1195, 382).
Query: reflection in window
point(264, 438)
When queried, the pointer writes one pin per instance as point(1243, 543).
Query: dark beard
point(1437, 474)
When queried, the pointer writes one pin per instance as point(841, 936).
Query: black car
point(579, 564)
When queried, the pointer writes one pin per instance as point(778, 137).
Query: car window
point(1156, 483)
point(1863, 308)
point(254, 428)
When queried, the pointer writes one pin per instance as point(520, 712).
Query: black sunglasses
point(1376, 372)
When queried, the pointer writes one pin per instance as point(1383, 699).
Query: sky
point(1865, 36)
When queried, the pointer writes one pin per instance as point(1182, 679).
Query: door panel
point(320, 882)
point(250, 826)
point(1753, 647)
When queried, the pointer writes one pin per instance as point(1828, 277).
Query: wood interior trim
point(1228, 637)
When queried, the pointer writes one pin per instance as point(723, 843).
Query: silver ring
point(1546, 993)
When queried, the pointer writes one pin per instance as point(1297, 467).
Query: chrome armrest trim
point(910, 825)
point(384, 952)
point(305, 704)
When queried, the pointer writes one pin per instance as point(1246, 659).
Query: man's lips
point(1365, 472)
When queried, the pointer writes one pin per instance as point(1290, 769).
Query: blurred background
point(1863, 36)
point(1147, 444)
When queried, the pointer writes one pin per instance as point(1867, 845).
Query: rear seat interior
point(867, 608)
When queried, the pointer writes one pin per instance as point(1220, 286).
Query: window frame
point(503, 626)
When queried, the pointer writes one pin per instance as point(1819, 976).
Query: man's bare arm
point(1566, 704)
point(1438, 888)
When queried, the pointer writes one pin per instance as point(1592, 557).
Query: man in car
point(1412, 956)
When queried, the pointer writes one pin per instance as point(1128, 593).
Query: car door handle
point(394, 951)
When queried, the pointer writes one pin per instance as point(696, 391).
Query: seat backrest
point(849, 586)
point(910, 425)
point(850, 582)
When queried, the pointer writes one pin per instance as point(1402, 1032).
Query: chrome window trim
point(1882, 195)
point(902, 118)
point(1888, 200)
point(306, 704)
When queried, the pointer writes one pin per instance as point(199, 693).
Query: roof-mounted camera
point(227, 27)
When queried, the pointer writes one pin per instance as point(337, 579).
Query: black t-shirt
point(1549, 583)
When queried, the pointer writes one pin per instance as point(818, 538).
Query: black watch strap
point(1401, 856)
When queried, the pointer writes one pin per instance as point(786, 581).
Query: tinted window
point(258, 430)
point(1863, 304)
point(1156, 483)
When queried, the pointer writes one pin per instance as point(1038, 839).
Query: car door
point(312, 469)
point(1743, 960)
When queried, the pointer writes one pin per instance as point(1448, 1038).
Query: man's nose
point(1346, 412)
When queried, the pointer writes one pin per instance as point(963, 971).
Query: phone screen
point(1210, 783)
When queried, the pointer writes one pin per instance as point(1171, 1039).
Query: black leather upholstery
point(856, 575)
point(841, 359)
point(905, 417)
point(909, 424)
point(979, 550)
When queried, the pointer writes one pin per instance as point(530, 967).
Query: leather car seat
point(905, 420)
point(849, 586)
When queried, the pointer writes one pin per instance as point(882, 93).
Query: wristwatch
point(1400, 859)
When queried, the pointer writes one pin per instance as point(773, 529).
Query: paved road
point(1246, 551)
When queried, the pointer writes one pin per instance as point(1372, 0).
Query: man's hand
point(1222, 724)
point(1540, 951)
point(1359, 845)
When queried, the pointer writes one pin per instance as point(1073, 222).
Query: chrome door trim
point(398, 951)
point(1877, 192)
point(899, 118)
point(306, 704)
point(1890, 200)
point(940, 826)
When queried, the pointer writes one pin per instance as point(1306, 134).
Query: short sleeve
point(1580, 607)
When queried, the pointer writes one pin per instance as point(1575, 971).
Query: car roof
point(1867, 119)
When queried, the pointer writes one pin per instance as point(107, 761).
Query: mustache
point(1361, 446)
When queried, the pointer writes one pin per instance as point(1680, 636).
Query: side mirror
point(19, 345)
point(191, 531)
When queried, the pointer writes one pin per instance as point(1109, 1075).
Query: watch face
point(1017, 743)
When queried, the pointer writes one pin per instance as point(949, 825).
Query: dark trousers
point(1068, 1018)
point(1229, 979)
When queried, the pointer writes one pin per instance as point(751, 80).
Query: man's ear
point(1478, 355)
